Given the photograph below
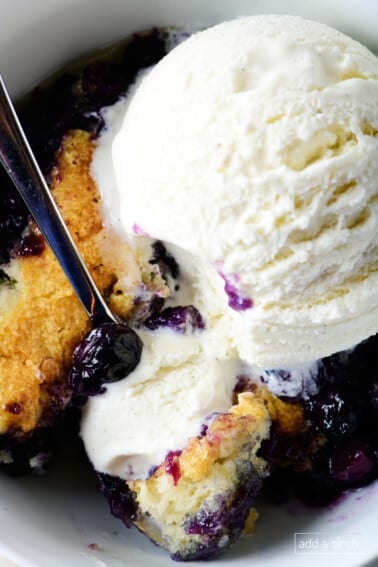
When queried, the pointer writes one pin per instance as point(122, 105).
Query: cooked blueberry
point(31, 244)
point(143, 51)
point(28, 453)
point(14, 217)
point(344, 416)
point(331, 414)
point(277, 487)
point(351, 465)
point(121, 500)
point(373, 396)
point(100, 84)
point(47, 116)
point(316, 491)
point(107, 354)
point(179, 319)
point(334, 369)
point(155, 306)
point(13, 222)
point(220, 521)
point(166, 262)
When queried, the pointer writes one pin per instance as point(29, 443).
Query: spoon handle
point(22, 167)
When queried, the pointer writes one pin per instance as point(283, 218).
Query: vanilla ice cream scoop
point(254, 145)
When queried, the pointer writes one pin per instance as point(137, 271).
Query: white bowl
point(52, 521)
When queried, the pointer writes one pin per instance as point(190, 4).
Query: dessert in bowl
point(161, 318)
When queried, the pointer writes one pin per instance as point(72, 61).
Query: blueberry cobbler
point(41, 319)
point(224, 199)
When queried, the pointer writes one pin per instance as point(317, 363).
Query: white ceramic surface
point(51, 521)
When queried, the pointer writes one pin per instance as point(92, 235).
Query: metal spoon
point(22, 167)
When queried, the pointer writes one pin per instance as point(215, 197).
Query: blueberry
point(373, 396)
point(144, 50)
point(335, 369)
point(351, 465)
point(166, 262)
point(315, 491)
point(331, 414)
point(121, 499)
point(179, 319)
point(47, 116)
point(100, 84)
point(107, 354)
point(220, 520)
point(31, 244)
point(14, 217)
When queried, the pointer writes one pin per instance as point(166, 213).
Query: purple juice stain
point(183, 320)
point(138, 230)
point(237, 300)
point(32, 244)
point(207, 522)
point(220, 520)
point(172, 466)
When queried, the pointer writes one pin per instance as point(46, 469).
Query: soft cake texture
point(41, 320)
point(207, 504)
point(254, 145)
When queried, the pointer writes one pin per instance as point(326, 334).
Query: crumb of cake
point(93, 546)
point(250, 523)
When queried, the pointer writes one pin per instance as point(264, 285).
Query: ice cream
point(167, 399)
point(245, 166)
point(253, 145)
point(251, 151)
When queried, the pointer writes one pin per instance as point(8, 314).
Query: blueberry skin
point(122, 500)
point(332, 414)
point(14, 217)
point(179, 319)
point(109, 353)
point(220, 523)
point(166, 262)
point(351, 465)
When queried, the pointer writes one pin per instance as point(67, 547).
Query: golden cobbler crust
point(41, 319)
point(211, 469)
point(212, 476)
